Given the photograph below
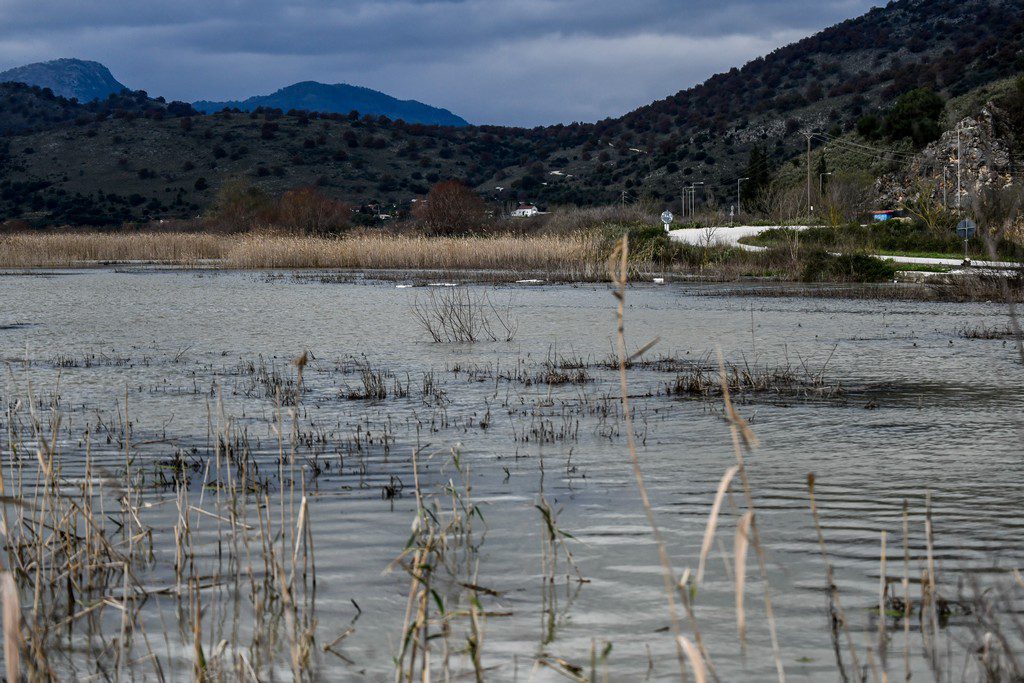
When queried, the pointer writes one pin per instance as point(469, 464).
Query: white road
point(731, 236)
point(726, 236)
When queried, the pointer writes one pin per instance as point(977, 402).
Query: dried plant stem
point(743, 437)
point(619, 272)
point(906, 593)
point(832, 589)
point(11, 625)
point(883, 588)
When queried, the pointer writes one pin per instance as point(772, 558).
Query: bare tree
point(307, 211)
point(779, 203)
point(846, 198)
point(451, 208)
point(926, 205)
point(240, 206)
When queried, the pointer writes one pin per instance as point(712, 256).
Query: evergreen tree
point(822, 172)
point(758, 174)
point(916, 115)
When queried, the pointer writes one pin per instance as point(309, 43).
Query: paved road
point(731, 236)
point(728, 236)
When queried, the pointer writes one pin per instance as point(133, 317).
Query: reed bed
point(580, 255)
point(231, 570)
point(68, 249)
point(82, 566)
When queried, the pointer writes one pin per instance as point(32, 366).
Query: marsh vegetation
point(195, 494)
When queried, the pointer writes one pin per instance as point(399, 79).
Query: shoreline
point(955, 287)
point(504, 259)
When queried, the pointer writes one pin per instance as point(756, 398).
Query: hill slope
point(70, 78)
point(28, 108)
point(824, 83)
point(341, 98)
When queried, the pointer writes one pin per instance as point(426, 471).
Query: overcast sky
point(522, 62)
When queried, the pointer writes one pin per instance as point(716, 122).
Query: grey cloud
point(521, 62)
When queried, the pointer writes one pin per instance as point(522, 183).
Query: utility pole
point(810, 208)
point(739, 205)
point(693, 197)
point(958, 169)
point(959, 191)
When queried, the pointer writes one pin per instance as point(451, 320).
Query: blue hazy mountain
point(68, 78)
point(341, 98)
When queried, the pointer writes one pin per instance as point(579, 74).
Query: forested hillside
point(99, 166)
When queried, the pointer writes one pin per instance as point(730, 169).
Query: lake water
point(922, 409)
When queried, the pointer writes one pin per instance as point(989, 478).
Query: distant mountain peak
point(341, 98)
point(78, 78)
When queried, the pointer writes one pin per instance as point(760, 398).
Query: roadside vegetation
point(904, 238)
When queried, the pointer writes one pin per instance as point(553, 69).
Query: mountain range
point(152, 159)
point(341, 98)
point(85, 81)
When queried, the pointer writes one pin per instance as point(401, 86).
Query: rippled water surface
point(921, 409)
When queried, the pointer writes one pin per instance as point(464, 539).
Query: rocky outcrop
point(70, 78)
point(984, 155)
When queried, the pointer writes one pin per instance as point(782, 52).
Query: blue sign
point(966, 229)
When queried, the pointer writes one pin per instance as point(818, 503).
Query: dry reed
point(578, 255)
point(68, 249)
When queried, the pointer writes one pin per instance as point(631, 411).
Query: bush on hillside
point(916, 115)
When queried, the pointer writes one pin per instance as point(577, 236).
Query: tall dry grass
point(573, 255)
point(66, 249)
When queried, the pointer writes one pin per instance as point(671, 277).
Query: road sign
point(666, 218)
point(966, 229)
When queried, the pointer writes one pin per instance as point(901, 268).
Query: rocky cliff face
point(70, 78)
point(985, 161)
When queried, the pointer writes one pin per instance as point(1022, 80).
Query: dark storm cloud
point(496, 61)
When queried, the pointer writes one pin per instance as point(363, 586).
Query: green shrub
point(916, 115)
point(821, 266)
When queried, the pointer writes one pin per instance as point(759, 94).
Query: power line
point(850, 143)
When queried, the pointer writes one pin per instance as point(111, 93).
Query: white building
point(525, 211)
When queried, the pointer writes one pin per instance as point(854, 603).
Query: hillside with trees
point(884, 77)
